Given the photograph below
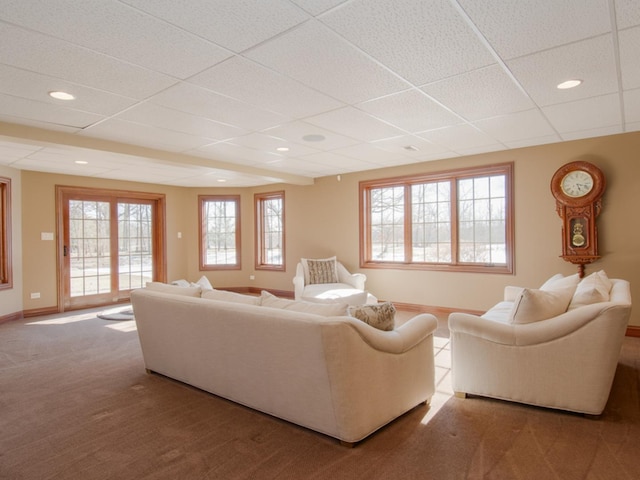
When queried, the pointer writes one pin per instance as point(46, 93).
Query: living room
point(78, 394)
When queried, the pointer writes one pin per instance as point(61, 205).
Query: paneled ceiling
point(209, 92)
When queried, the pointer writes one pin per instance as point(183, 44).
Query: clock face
point(577, 183)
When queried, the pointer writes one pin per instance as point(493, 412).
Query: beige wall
point(322, 220)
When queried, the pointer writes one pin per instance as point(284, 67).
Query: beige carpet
point(76, 403)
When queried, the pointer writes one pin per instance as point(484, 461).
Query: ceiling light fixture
point(569, 84)
point(282, 149)
point(221, 180)
point(61, 95)
point(411, 148)
point(81, 162)
point(313, 138)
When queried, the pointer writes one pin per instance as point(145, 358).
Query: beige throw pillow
point(380, 316)
point(534, 305)
point(593, 289)
point(559, 282)
point(323, 309)
point(320, 270)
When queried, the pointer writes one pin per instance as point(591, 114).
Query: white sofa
point(566, 361)
point(348, 287)
point(332, 374)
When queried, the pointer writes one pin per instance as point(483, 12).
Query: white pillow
point(227, 296)
point(560, 283)
point(593, 289)
point(174, 289)
point(324, 309)
point(534, 305)
point(204, 283)
point(320, 270)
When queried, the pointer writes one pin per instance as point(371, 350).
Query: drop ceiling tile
point(120, 31)
point(630, 57)
point(334, 163)
point(33, 86)
point(296, 131)
point(58, 165)
point(517, 126)
point(423, 41)
point(317, 57)
point(254, 84)
point(458, 137)
point(170, 119)
point(627, 13)
point(480, 94)
point(46, 112)
point(57, 58)
point(366, 152)
point(592, 133)
point(235, 25)
point(230, 152)
point(38, 124)
point(591, 61)
point(316, 7)
point(145, 135)
point(632, 106)
point(355, 123)
point(410, 110)
point(198, 101)
point(582, 115)
point(519, 28)
point(533, 141)
point(411, 146)
point(269, 143)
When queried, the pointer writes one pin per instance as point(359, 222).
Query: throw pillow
point(227, 296)
point(174, 289)
point(204, 283)
point(560, 283)
point(534, 305)
point(324, 309)
point(593, 289)
point(380, 316)
point(320, 270)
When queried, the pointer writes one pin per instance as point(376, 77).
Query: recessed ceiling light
point(81, 162)
point(411, 148)
point(282, 149)
point(569, 84)
point(314, 138)
point(222, 180)
point(61, 95)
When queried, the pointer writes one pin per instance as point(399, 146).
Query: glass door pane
point(135, 245)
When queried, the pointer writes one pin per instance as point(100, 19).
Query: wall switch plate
point(46, 235)
point(35, 295)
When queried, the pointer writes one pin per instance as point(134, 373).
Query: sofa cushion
point(560, 282)
point(380, 316)
point(174, 289)
point(227, 296)
point(321, 270)
point(323, 309)
point(334, 292)
point(533, 305)
point(594, 288)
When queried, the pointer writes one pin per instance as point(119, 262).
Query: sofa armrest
point(497, 332)
point(356, 280)
point(399, 340)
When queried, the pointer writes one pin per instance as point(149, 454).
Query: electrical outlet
point(35, 295)
point(252, 277)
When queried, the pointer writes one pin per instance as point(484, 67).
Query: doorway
point(111, 242)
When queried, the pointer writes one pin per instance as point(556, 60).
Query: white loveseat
point(565, 361)
point(332, 374)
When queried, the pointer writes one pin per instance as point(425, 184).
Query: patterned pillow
point(320, 271)
point(380, 316)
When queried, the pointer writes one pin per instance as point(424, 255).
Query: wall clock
point(578, 188)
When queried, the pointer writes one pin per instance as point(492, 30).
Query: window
point(219, 232)
point(459, 220)
point(270, 231)
point(6, 273)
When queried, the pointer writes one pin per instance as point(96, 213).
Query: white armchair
point(565, 362)
point(327, 280)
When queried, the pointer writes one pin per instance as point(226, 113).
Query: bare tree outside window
point(270, 239)
point(459, 220)
point(219, 232)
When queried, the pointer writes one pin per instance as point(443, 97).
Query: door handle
point(65, 251)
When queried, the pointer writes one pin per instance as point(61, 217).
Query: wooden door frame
point(159, 218)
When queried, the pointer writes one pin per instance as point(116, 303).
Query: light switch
point(46, 236)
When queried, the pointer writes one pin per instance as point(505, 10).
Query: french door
point(111, 243)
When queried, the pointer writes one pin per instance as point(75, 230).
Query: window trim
point(452, 175)
point(6, 265)
point(260, 263)
point(202, 233)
